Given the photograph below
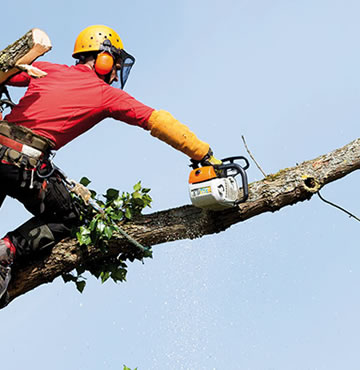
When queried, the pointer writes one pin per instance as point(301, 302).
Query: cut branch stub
point(311, 184)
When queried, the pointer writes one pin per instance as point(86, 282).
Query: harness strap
point(2, 152)
point(21, 148)
point(24, 162)
point(25, 136)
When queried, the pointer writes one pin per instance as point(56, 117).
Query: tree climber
point(55, 110)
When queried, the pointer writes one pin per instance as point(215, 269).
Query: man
point(55, 110)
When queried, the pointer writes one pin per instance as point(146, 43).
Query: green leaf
point(95, 270)
point(104, 276)
point(119, 274)
point(147, 197)
point(80, 270)
point(117, 203)
point(137, 187)
point(100, 226)
point(125, 196)
point(68, 277)
point(128, 214)
point(80, 285)
point(92, 224)
point(83, 236)
point(85, 181)
point(111, 194)
point(108, 231)
point(117, 216)
point(146, 201)
point(139, 202)
point(136, 195)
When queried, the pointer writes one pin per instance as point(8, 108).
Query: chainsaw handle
point(195, 164)
point(237, 158)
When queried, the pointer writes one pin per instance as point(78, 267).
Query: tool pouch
point(25, 136)
point(22, 135)
point(58, 202)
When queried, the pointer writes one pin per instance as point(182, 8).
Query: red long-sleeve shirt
point(71, 100)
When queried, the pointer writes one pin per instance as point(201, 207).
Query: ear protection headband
point(104, 63)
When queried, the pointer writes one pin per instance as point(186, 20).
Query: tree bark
point(286, 187)
point(23, 51)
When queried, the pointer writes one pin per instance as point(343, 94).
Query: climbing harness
point(21, 147)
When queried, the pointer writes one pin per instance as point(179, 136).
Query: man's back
point(69, 101)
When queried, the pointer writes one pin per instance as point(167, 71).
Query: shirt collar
point(82, 67)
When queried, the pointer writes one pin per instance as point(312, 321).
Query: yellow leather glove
point(168, 129)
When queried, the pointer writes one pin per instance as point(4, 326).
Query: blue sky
point(279, 291)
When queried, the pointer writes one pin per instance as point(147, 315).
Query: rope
point(338, 207)
point(132, 240)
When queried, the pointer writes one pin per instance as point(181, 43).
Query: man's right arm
point(161, 125)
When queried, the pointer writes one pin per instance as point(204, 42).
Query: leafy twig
point(98, 228)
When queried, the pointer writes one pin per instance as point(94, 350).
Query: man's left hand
point(210, 160)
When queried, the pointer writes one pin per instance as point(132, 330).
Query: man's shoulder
point(49, 65)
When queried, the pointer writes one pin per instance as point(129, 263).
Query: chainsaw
point(215, 187)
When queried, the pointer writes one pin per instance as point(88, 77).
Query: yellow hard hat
point(91, 39)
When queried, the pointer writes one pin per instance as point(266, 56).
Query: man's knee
point(32, 236)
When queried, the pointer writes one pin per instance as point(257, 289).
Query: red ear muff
point(104, 63)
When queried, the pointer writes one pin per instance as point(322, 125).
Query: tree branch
point(23, 52)
point(286, 187)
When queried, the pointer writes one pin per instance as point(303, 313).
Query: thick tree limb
point(22, 53)
point(287, 187)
